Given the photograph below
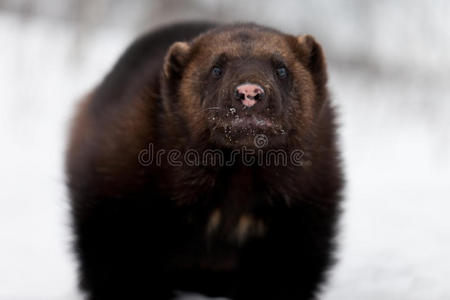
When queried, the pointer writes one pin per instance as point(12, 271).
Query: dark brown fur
point(244, 232)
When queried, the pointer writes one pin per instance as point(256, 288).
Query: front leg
point(120, 252)
point(291, 260)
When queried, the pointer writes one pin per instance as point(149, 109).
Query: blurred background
point(389, 66)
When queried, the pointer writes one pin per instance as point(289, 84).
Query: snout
point(249, 94)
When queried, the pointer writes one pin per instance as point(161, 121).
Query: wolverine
point(221, 227)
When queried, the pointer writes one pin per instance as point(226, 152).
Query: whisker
point(212, 108)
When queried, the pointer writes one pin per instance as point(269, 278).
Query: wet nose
point(249, 93)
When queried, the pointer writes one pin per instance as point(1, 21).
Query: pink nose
point(249, 93)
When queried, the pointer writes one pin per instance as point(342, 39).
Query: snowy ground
point(395, 236)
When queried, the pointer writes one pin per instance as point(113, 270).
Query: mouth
point(241, 128)
point(247, 122)
point(251, 121)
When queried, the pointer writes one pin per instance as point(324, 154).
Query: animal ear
point(312, 57)
point(176, 59)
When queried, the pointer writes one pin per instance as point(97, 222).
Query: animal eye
point(216, 72)
point(282, 73)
